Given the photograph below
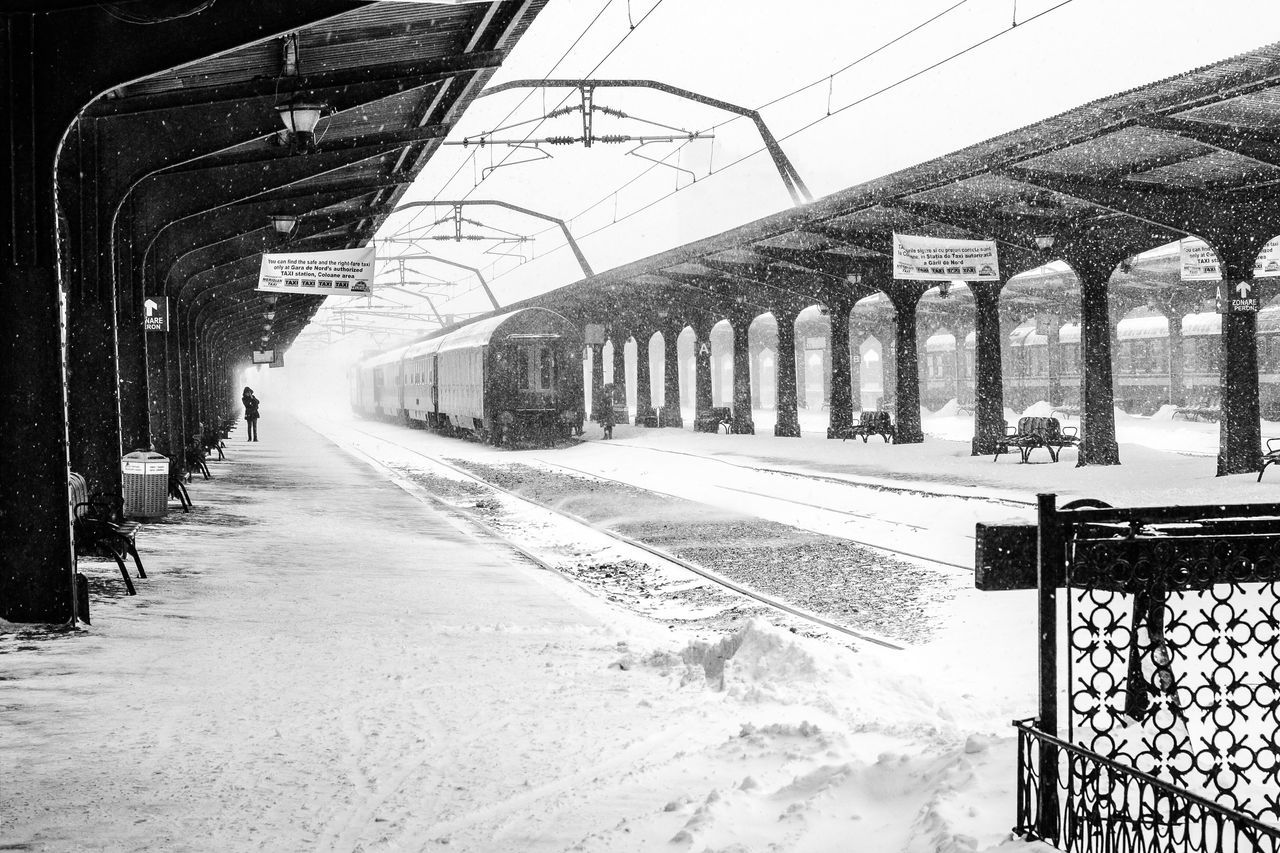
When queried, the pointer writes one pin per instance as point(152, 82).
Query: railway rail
point(706, 574)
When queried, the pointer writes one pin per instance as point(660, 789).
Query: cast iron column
point(743, 423)
point(1240, 432)
point(905, 296)
point(1097, 415)
point(620, 365)
point(841, 413)
point(93, 411)
point(988, 380)
point(671, 416)
point(37, 581)
point(644, 386)
point(788, 421)
point(702, 401)
point(597, 381)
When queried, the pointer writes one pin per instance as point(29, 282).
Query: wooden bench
point(873, 423)
point(1033, 432)
point(713, 418)
point(100, 528)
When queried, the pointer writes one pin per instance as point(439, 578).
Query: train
point(510, 379)
point(1143, 374)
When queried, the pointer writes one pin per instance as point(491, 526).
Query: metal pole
point(1050, 572)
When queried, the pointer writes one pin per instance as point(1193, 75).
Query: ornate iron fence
point(1099, 805)
point(1170, 660)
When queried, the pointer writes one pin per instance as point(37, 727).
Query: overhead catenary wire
point(796, 91)
point(887, 88)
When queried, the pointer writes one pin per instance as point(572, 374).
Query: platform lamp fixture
point(284, 223)
point(1044, 242)
point(944, 289)
point(300, 118)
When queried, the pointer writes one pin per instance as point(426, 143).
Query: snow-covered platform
point(320, 660)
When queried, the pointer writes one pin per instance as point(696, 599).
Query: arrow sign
point(1244, 288)
point(156, 314)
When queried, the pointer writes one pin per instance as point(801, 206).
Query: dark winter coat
point(251, 409)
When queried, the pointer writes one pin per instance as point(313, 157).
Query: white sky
point(750, 52)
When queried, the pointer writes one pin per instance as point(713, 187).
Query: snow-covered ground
point(322, 661)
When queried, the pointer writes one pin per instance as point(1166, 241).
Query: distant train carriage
point(1144, 375)
point(509, 378)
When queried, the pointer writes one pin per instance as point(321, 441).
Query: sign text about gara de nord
point(322, 273)
point(155, 314)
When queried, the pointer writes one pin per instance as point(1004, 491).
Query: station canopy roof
point(1196, 154)
point(390, 78)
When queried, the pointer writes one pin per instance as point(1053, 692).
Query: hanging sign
point(938, 259)
point(1200, 263)
point(155, 314)
point(264, 356)
point(321, 273)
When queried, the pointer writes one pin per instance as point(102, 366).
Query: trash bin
point(145, 477)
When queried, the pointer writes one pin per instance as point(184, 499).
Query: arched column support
point(988, 380)
point(644, 387)
point(1240, 432)
point(840, 424)
point(743, 423)
point(1098, 444)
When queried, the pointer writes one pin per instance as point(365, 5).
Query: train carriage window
point(522, 369)
point(546, 368)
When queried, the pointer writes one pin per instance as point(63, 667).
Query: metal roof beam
point(411, 74)
point(1263, 148)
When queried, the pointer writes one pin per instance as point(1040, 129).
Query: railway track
point(769, 601)
point(827, 478)
point(872, 545)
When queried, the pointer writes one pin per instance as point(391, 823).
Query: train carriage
point(514, 377)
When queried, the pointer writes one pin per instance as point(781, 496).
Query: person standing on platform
point(606, 413)
point(251, 414)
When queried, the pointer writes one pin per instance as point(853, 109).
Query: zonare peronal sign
point(155, 314)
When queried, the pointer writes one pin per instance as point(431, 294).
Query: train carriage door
point(536, 369)
point(434, 371)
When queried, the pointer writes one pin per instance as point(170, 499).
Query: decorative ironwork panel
point(1101, 806)
point(1173, 667)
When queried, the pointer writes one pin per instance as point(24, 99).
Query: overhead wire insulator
point(562, 140)
point(613, 138)
point(610, 111)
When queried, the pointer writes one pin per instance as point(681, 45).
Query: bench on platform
point(1032, 432)
point(1066, 410)
point(100, 528)
point(1271, 456)
point(713, 418)
point(177, 489)
point(873, 423)
point(1199, 413)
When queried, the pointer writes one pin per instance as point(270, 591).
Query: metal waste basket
point(145, 478)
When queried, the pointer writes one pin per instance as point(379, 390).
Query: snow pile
point(949, 409)
point(837, 749)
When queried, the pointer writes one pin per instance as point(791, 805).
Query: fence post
point(1050, 573)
